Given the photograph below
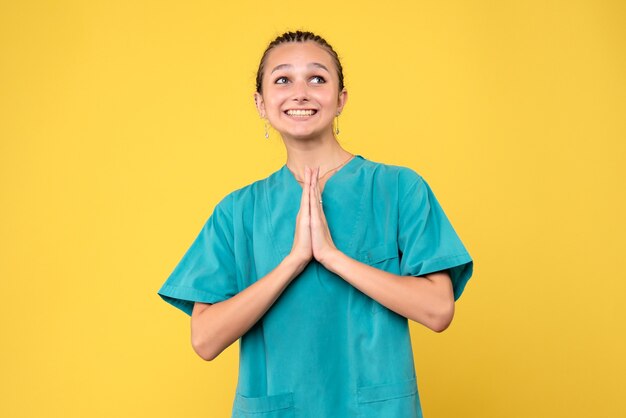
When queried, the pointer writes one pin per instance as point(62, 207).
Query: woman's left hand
point(321, 240)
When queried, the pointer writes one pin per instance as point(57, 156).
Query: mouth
point(300, 113)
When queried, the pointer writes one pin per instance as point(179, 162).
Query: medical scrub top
point(323, 349)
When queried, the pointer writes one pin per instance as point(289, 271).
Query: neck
point(326, 154)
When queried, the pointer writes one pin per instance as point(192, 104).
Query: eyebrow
point(313, 64)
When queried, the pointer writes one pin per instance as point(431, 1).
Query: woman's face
point(300, 90)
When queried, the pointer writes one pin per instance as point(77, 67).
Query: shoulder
point(245, 195)
point(402, 177)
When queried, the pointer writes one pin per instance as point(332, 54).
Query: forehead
point(298, 53)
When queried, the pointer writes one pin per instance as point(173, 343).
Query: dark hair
point(298, 36)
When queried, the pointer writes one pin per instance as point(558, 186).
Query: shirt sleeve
point(207, 271)
point(427, 240)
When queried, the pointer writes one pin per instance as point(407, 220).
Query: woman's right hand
point(302, 249)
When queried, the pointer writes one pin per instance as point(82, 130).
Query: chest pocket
point(384, 257)
point(379, 253)
point(273, 406)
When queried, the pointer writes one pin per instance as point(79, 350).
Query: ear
point(260, 104)
point(341, 100)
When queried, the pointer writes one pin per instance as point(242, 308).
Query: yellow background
point(123, 123)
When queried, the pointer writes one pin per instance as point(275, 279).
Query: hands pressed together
point(427, 299)
point(312, 237)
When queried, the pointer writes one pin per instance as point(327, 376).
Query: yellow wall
point(122, 123)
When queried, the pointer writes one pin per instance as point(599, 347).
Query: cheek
point(328, 94)
point(327, 100)
point(273, 106)
point(274, 99)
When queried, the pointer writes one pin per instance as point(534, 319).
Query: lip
point(301, 118)
point(300, 108)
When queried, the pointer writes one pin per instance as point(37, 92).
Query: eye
point(281, 80)
point(317, 79)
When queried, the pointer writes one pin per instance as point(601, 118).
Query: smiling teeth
point(300, 112)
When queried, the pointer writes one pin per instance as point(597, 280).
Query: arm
point(216, 326)
point(427, 299)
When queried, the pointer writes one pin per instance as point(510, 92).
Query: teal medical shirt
point(323, 349)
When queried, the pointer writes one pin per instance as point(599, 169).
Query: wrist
point(295, 262)
point(330, 259)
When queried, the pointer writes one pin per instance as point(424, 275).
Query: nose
point(301, 91)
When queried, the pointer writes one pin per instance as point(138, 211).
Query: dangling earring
point(267, 134)
point(337, 124)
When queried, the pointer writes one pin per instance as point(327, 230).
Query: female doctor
point(317, 268)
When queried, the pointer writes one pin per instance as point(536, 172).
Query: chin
point(302, 136)
point(305, 134)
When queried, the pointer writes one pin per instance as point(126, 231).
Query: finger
point(318, 195)
point(314, 201)
point(321, 213)
point(304, 204)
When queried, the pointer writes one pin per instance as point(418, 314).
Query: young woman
point(318, 267)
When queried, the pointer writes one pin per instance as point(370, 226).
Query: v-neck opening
point(282, 200)
point(342, 170)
